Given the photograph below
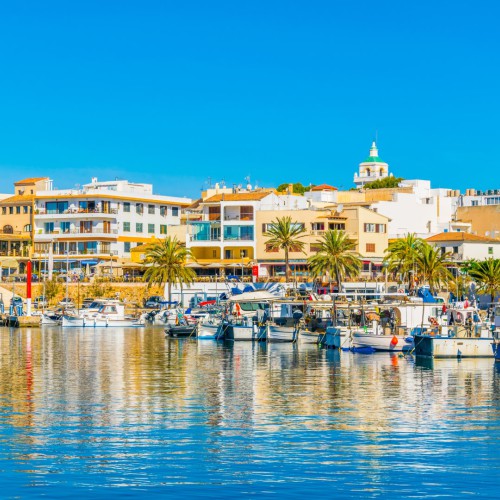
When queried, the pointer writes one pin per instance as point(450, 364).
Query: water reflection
point(114, 408)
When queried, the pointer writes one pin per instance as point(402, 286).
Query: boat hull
point(70, 321)
point(181, 331)
point(388, 343)
point(210, 331)
point(307, 337)
point(333, 338)
point(276, 333)
point(496, 350)
point(453, 347)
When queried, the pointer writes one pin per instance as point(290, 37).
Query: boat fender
point(237, 309)
point(394, 341)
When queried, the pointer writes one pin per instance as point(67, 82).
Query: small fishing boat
point(211, 329)
point(181, 331)
point(281, 333)
point(462, 334)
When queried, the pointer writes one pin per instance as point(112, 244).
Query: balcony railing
point(198, 237)
point(231, 217)
point(76, 211)
point(11, 231)
point(77, 231)
point(15, 253)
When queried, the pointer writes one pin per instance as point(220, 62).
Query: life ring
point(433, 321)
point(400, 290)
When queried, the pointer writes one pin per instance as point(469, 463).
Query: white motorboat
point(390, 343)
point(110, 314)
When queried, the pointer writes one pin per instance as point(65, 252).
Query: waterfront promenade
point(129, 413)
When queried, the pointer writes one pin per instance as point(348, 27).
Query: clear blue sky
point(175, 92)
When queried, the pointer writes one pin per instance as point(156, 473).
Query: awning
point(89, 262)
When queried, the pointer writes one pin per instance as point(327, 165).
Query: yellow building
point(366, 227)
point(16, 220)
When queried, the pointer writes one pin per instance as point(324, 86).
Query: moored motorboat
point(111, 313)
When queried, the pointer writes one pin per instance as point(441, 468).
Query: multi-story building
point(16, 220)
point(367, 228)
point(464, 246)
point(100, 221)
point(222, 227)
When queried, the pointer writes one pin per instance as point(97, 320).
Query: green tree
point(285, 235)
point(336, 255)
point(401, 256)
point(386, 182)
point(52, 288)
point(486, 274)
point(432, 266)
point(166, 260)
point(298, 188)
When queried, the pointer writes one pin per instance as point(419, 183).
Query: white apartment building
point(100, 221)
point(223, 226)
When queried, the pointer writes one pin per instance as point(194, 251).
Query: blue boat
point(496, 350)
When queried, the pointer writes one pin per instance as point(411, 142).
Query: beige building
point(484, 220)
point(16, 220)
point(367, 228)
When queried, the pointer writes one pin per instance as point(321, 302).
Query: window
point(455, 249)
point(265, 228)
point(139, 208)
point(339, 226)
point(317, 226)
point(126, 227)
point(163, 229)
point(65, 226)
point(25, 209)
point(27, 228)
point(175, 211)
point(246, 213)
point(370, 247)
point(18, 209)
point(475, 203)
point(126, 207)
point(4, 210)
point(49, 227)
point(127, 247)
point(270, 249)
point(297, 225)
point(295, 249)
point(138, 227)
point(151, 209)
point(56, 207)
point(490, 250)
point(151, 228)
point(11, 210)
point(214, 213)
point(375, 228)
point(163, 211)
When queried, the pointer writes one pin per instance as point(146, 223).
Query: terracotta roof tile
point(324, 187)
point(253, 196)
point(460, 236)
point(25, 198)
point(29, 180)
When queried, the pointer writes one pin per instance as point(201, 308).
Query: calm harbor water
point(97, 413)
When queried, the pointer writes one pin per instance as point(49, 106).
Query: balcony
point(202, 237)
point(75, 213)
point(234, 217)
point(77, 231)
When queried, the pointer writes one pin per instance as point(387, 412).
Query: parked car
point(153, 302)
point(40, 302)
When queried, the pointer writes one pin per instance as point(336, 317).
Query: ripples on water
point(127, 413)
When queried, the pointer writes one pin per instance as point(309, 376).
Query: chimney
point(290, 188)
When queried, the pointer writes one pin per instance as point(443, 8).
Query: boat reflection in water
point(93, 413)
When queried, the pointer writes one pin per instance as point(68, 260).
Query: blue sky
point(176, 92)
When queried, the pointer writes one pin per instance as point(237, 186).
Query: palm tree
point(431, 266)
point(285, 235)
point(336, 255)
point(402, 254)
point(167, 260)
point(486, 274)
